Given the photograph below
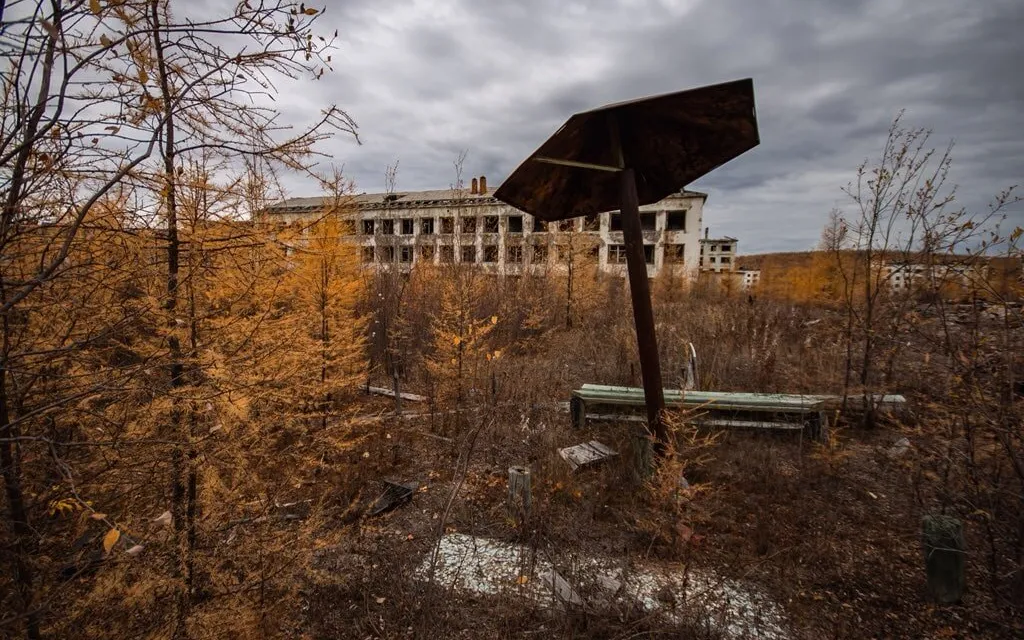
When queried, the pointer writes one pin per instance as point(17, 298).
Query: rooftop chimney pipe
point(472, 189)
point(483, 185)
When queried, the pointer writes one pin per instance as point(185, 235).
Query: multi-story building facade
point(471, 226)
point(717, 254)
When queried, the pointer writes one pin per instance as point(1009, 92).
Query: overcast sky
point(425, 79)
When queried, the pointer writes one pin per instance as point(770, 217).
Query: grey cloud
point(426, 80)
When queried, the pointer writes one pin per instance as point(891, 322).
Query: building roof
point(400, 199)
point(722, 239)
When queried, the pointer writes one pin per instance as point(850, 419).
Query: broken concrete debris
point(395, 494)
point(899, 448)
point(483, 566)
point(586, 454)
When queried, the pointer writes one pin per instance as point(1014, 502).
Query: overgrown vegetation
point(187, 452)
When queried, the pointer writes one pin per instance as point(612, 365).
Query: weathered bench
point(715, 408)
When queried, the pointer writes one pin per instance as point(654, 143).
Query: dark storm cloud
point(425, 80)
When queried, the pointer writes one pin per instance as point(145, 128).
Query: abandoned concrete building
point(717, 254)
point(447, 226)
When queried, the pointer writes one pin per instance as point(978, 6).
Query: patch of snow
point(491, 567)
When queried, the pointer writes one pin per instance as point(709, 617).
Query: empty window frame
point(368, 253)
point(387, 227)
point(674, 253)
point(427, 226)
point(514, 254)
point(468, 253)
point(726, 247)
point(407, 226)
point(491, 253)
point(468, 225)
point(368, 227)
point(427, 253)
point(539, 225)
point(447, 225)
point(515, 224)
point(566, 225)
point(676, 221)
point(490, 224)
point(617, 254)
point(405, 253)
point(647, 221)
point(616, 222)
point(539, 254)
point(447, 254)
point(385, 254)
point(592, 222)
point(649, 253)
point(726, 259)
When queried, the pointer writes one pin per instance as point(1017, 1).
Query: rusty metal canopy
point(668, 140)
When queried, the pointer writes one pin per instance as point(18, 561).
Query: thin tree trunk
point(176, 368)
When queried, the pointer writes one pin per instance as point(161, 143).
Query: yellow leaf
point(456, 340)
point(94, 6)
point(111, 539)
point(522, 580)
point(310, 11)
point(494, 319)
point(98, 516)
point(143, 76)
point(497, 353)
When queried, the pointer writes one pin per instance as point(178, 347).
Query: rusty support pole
point(643, 313)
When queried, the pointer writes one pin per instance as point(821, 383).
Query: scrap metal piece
point(586, 454)
point(395, 494)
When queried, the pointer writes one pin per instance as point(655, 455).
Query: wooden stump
point(519, 494)
point(944, 558)
point(643, 455)
point(577, 412)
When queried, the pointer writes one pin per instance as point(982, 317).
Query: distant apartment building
point(717, 254)
point(749, 278)
point(471, 226)
point(907, 276)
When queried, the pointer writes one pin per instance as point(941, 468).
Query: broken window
point(592, 222)
point(726, 247)
point(385, 254)
point(674, 253)
point(514, 254)
point(406, 253)
point(726, 259)
point(714, 247)
point(616, 222)
point(367, 254)
point(647, 221)
point(368, 227)
point(387, 227)
point(427, 252)
point(649, 253)
point(468, 253)
point(491, 253)
point(566, 225)
point(676, 221)
point(617, 253)
point(490, 224)
point(540, 254)
point(407, 225)
point(515, 224)
point(539, 225)
point(447, 225)
point(468, 225)
point(447, 254)
point(427, 226)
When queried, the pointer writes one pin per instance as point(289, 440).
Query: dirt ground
point(832, 539)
